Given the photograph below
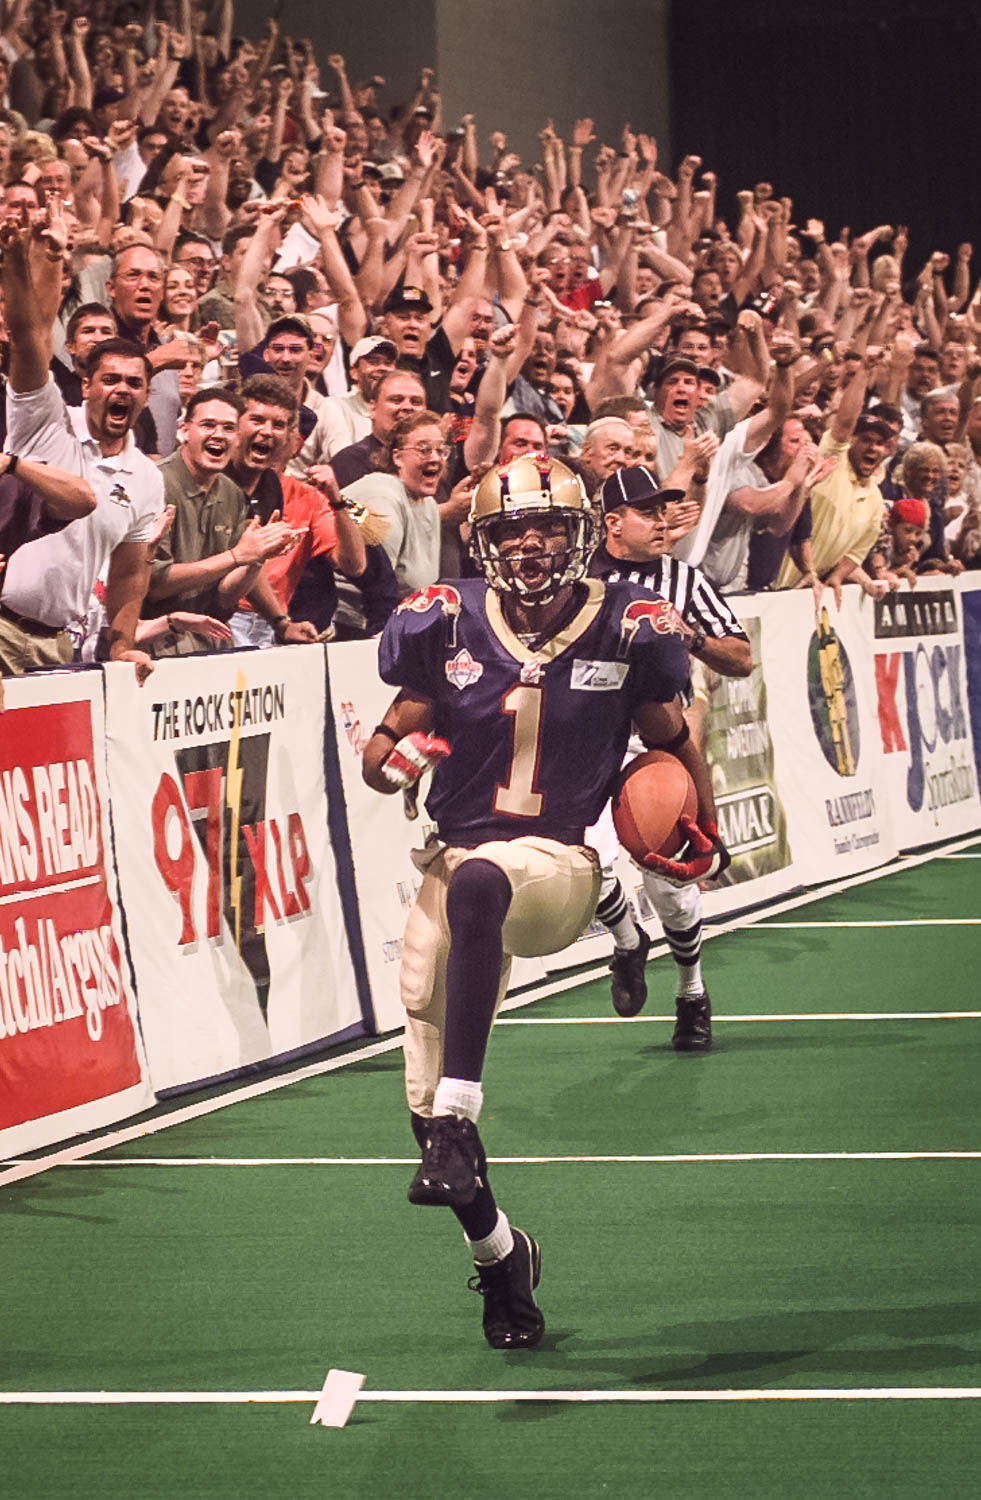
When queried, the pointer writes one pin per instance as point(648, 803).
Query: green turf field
point(769, 1218)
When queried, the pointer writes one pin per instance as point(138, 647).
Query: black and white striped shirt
point(685, 587)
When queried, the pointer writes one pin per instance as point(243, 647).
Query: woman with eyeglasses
point(403, 492)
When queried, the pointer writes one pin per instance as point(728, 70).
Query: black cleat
point(693, 1028)
point(447, 1175)
point(511, 1318)
point(628, 986)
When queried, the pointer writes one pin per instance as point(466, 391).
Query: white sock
point(498, 1244)
point(458, 1096)
point(626, 934)
point(690, 982)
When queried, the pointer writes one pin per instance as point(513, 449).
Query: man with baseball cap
point(406, 321)
point(407, 317)
point(343, 420)
point(635, 548)
point(679, 404)
point(846, 506)
point(284, 351)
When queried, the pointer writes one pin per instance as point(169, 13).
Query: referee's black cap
point(637, 487)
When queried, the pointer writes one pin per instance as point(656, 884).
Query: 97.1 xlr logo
point(211, 824)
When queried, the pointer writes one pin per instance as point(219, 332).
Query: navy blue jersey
point(537, 736)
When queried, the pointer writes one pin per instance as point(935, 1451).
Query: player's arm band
point(388, 733)
point(684, 733)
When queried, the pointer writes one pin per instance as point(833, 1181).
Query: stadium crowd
point(266, 330)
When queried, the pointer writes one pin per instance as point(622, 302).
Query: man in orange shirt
point(266, 440)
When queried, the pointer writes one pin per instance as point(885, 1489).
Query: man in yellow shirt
point(847, 506)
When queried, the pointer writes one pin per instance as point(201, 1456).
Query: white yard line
point(911, 922)
point(816, 1015)
point(530, 1161)
point(235, 1398)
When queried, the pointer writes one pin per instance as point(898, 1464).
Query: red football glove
point(412, 757)
point(703, 856)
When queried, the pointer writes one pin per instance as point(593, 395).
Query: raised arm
point(785, 351)
point(214, 211)
point(470, 287)
point(78, 62)
point(322, 220)
point(168, 65)
point(851, 403)
point(484, 438)
point(249, 327)
point(31, 343)
point(512, 284)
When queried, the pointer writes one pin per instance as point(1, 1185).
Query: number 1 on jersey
point(519, 796)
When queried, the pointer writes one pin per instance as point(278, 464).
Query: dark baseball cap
point(677, 362)
point(869, 422)
point(637, 487)
point(407, 298)
point(290, 323)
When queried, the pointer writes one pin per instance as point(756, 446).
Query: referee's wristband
point(12, 461)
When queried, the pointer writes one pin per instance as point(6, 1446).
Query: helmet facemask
point(531, 491)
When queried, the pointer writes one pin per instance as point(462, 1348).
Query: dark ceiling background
point(863, 111)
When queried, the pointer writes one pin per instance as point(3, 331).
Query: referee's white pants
point(678, 907)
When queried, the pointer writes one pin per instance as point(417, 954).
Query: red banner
point(67, 1038)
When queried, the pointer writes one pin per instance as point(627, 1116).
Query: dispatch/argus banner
point(70, 1058)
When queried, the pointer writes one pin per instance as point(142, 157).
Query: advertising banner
point(922, 706)
point(226, 869)
point(70, 1057)
point(970, 595)
point(738, 747)
point(821, 709)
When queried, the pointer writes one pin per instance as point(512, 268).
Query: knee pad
point(478, 892)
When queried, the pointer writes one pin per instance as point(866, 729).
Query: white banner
point(738, 748)
point(821, 709)
point(922, 706)
point(70, 1054)
point(227, 874)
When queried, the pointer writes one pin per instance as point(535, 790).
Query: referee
point(634, 548)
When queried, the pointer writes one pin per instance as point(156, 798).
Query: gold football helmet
point(532, 487)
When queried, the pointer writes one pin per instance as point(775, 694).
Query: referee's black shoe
point(628, 986)
point(693, 1026)
point(448, 1173)
point(511, 1318)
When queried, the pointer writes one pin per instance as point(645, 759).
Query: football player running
point(519, 691)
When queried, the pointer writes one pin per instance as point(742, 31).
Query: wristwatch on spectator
point(280, 625)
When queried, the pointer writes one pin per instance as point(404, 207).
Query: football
point(653, 792)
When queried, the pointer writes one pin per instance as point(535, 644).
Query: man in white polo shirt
point(49, 582)
point(343, 420)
